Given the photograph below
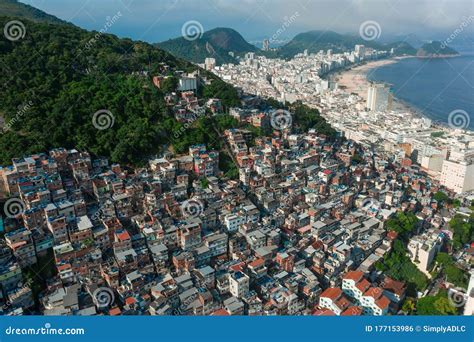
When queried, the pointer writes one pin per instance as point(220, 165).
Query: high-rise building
point(379, 97)
point(210, 63)
point(422, 250)
point(457, 175)
point(266, 45)
point(360, 50)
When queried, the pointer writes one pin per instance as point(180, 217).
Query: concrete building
point(458, 176)
point(238, 284)
point(379, 97)
point(423, 249)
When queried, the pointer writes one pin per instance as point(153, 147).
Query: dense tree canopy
point(65, 75)
point(402, 223)
point(435, 305)
point(398, 266)
point(463, 230)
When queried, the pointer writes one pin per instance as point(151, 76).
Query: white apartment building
point(379, 97)
point(233, 222)
point(354, 285)
point(330, 299)
point(187, 83)
point(374, 302)
point(238, 284)
point(209, 63)
point(422, 250)
point(458, 176)
point(432, 162)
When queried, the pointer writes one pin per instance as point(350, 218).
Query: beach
point(355, 81)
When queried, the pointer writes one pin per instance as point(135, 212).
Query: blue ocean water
point(435, 87)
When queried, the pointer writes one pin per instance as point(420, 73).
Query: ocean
point(434, 87)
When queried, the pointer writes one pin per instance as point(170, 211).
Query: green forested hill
point(314, 41)
point(13, 8)
point(54, 79)
point(216, 43)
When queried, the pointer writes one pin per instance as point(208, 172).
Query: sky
point(159, 20)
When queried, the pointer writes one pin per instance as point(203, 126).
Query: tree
point(463, 230)
point(444, 259)
point(169, 84)
point(223, 91)
point(440, 197)
point(409, 306)
point(435, 305)
point(204, 183)
point(403, 223)
point(398, 266)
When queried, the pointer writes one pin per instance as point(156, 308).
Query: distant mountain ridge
point(314, 41)
point(13, 8)
point(216, 43)
point(219, 42)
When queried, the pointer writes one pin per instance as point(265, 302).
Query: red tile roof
point(257, 263)
point(238, 267)
point(374, 292)
point(353, 275)
point(394, 286)
point(383, 302)
point(115, 312)
point(343, 303)
point(130, 301)
point(323, 312)
point(220, 312)
point(352, 311)
point(333, 293)
point(363, 285)
point(64, 267)
point(392, 235)
point(123, 235)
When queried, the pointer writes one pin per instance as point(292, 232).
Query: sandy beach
point(355, 80)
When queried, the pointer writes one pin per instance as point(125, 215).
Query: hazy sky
point(158, 20)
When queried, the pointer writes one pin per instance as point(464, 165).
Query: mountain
point(216, 43)
point(401, 48)
point(435, 49)
point(13, 8)
point(314, 41)
point(411, 38)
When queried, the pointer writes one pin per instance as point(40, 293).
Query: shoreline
point(355, 81)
